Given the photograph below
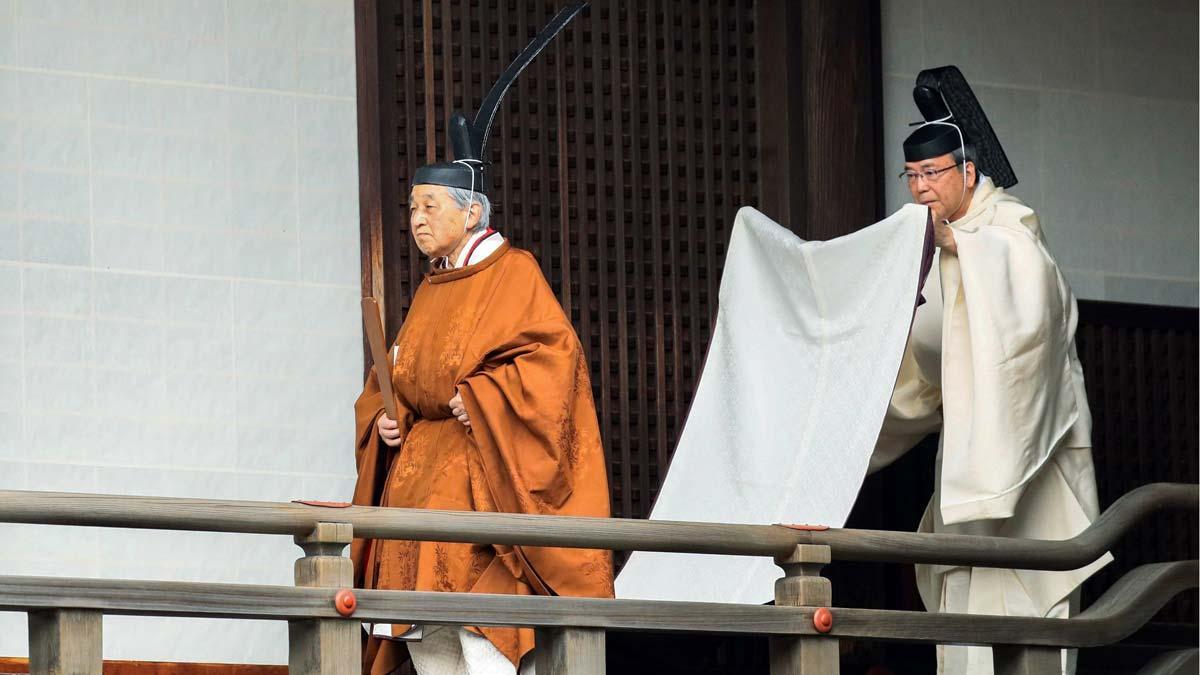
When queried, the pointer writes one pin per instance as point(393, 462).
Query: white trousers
point(956, 660)
point(451, 650)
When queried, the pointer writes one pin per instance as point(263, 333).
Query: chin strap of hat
point(474, 165)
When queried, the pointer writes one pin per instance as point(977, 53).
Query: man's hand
point(389, 431)
point(458, 410)
point(943, 237)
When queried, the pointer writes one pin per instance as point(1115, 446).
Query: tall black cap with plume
point(947, 103)
point(469, 138)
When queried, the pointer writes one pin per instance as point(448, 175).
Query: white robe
point(991, 363)
point(454, 650)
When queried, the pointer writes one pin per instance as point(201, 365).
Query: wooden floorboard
point(21, 665)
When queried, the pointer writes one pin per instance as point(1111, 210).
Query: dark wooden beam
point(376, 172)
point(820, 115)
point(780, 118)
point(842, 160)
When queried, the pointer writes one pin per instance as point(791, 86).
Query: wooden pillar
point(780, 115)
point(65, 642)
point(820, 115)
point(378, 183)
point(570, 651)
point(842, 165)
point(325, 646)
point(803, 585)
point(1014, 660)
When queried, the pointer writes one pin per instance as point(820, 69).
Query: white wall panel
point(178, 285)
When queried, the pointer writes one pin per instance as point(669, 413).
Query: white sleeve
point(1007, 389)
point(913, 413)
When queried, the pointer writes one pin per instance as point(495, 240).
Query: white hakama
point(453, 650)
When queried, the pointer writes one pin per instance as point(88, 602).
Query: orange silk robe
point(495, 333)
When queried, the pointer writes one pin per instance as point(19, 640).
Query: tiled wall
point(1096, 106)
point(178, 285)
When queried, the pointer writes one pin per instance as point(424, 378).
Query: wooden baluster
point(65, 642)
point(803, 585)
point(569, 651)
point(325, 646)
point(1022, 660)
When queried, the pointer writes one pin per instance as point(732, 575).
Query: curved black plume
point(482, 125)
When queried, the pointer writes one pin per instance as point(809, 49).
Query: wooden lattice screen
point(1142, 373)
point(619, 159)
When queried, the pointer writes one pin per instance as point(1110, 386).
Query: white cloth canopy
point(799, 373)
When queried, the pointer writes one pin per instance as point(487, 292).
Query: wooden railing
point(324, 614)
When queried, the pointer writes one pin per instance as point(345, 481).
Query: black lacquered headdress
point(953, 116)
point(468, 138)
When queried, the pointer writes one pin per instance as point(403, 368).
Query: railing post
point(803, 585)
point(325, 646)
point(66, 642)
point(1023, 660)
point(569, 651)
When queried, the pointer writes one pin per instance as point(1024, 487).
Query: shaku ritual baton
point(373, 323)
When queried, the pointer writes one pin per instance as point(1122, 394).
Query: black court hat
point(948, 107)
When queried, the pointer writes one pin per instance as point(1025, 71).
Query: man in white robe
point(991, 364)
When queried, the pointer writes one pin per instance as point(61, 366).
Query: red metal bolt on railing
point(345, 602)
point(823, 620)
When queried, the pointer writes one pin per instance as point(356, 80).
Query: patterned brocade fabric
point(494, 333)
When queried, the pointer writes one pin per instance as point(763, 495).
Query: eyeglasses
point(929, 175)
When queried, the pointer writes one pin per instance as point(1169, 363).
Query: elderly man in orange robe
point(496, 414)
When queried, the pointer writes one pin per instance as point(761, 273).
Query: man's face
point(436, 221)
point(945, 190)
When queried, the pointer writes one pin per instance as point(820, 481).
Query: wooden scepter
point(373, 323)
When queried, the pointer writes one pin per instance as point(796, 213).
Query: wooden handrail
point(1116, 615)
point(1038, 554)
point(1123, 609)
point(169, 513)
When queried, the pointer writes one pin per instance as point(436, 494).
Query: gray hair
point(970, 155)
point(464, 198)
